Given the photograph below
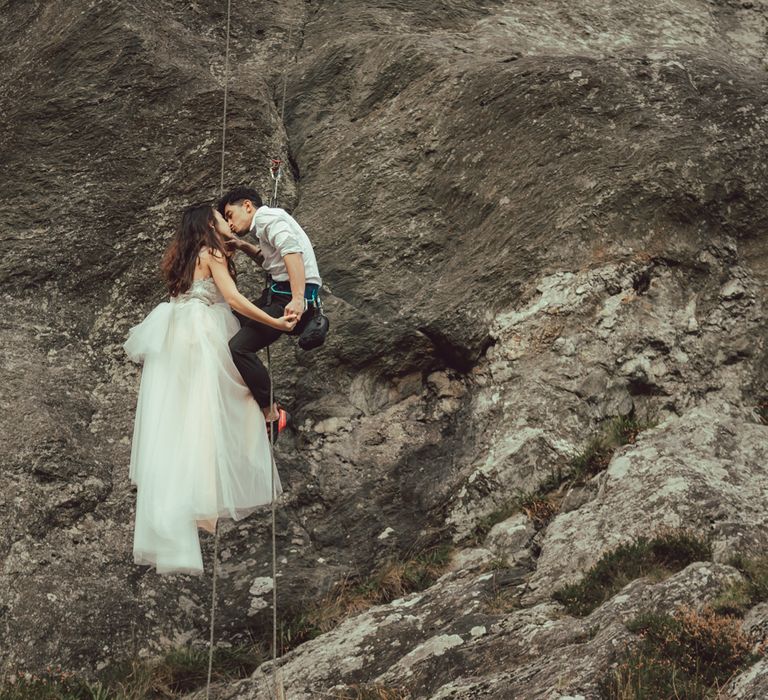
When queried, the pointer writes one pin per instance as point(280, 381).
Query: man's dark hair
point(237, 195)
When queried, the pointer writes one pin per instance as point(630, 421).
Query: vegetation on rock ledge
point(750, 591)
point(688, 654)
point(666, 553)
point(177, 673)
point(393, 579)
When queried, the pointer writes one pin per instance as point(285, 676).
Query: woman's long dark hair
point(195, 232)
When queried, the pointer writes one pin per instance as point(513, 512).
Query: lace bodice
point(204, 290)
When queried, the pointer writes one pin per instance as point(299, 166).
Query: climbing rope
point(276, 171)
point(213, 608)
point(221, 194)
point(277, 678)
point(226, 95)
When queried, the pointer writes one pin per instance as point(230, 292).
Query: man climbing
point(286, 254)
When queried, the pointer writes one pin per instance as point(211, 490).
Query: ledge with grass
point(688, 654)
point(666, 553)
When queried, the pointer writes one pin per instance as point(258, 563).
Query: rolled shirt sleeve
point(282, 239)
point(279, 234)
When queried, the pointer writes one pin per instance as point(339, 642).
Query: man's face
point(239, 216)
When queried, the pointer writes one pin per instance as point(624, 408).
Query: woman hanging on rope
point(200, 448)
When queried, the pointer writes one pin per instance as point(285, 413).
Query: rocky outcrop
point(704, 471)
point(425, 644)
point(530, 219)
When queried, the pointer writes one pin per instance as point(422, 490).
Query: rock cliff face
point(532, 218)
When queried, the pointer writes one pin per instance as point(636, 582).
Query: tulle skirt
point(200, 449)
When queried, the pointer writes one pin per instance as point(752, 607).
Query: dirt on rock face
point(530, 218)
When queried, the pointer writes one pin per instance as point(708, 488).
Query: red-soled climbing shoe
point(279, 425)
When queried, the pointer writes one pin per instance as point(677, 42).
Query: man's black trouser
point(254, 336)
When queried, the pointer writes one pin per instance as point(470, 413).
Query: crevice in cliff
point(452, 355)
point(291, 60)
point(310, 14)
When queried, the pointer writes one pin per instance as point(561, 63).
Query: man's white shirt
point(278, 234)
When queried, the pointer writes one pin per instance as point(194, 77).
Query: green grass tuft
point(621, 430)
point(543, 504)
point(486, 523)
point(666, 553)
point(743, 595)
point(50, 686)
point(762, 411)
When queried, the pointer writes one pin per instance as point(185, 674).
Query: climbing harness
point(283, 289)
point(313, 335)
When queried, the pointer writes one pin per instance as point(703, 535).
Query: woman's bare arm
point(218, 266)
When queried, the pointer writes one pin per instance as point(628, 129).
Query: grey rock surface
point(448, 643)
point(706, 471)
point(511, 538)
point(530, 217)
point(752, 684)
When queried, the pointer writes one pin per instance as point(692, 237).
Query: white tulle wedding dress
point(200, 448)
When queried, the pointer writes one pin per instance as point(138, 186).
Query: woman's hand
point(287, 323)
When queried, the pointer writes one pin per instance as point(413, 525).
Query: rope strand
point(221, 193)
point(226, 95)
point(278, 684)
point(213, 609)
point(285, 80)
point(279, 690)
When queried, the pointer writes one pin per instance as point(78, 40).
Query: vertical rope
point(281, 142)
point(213, 609)
point(221, 193)
point(275, 672)
point(279, 691)
point(226, 95)
point(277, 176)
